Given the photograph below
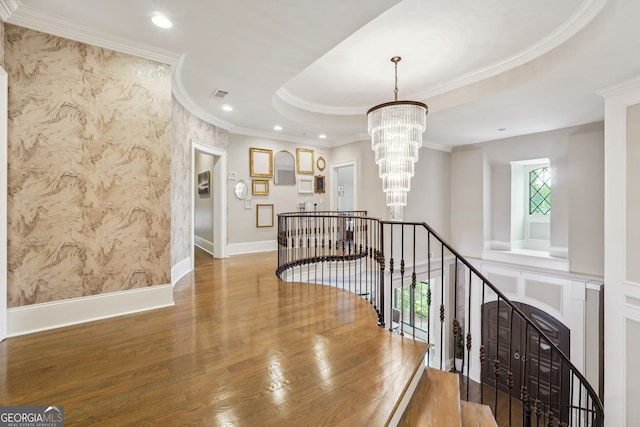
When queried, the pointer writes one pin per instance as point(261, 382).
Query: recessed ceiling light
point(227, 107)
point(322, 136)
point(277, 127)
point(161, 21)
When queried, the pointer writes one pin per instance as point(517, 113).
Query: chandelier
point(396, 130)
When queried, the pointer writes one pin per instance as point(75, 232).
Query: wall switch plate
point(231, 175)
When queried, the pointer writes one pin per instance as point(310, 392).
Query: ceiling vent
point(219, 94)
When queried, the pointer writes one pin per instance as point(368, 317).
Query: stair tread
point(436, 401)
point(476, 415)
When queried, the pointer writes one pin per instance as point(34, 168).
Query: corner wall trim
point(56, 314)
point(180, 269)
point(203, 244)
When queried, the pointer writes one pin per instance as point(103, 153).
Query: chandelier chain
point(395, 61)
point(395, 92)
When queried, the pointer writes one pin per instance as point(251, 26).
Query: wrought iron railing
point(515, 368)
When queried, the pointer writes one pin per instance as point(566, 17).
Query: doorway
point(523, 344)
point(203, 206)
point(217, 197)
point(345, 186)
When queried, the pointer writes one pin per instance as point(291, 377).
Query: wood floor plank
point(476, 415)
point(436, 401)
point(238, 348)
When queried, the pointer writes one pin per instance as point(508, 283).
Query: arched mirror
point(284, 166)
point(241, 189)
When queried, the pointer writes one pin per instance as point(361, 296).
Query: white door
point(345, 187)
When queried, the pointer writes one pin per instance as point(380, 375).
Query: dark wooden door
point(509, 339)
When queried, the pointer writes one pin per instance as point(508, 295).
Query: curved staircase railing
point(423, 288)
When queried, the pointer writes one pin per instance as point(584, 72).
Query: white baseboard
point(180, 269)
point(56, 314)
point(497, 245)
point(559, 252)
point(203, 244)
point(252, 247)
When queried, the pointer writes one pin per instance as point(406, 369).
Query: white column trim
point(616, 101)
point(3, 202)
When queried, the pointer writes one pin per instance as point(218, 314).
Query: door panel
point(541, 367)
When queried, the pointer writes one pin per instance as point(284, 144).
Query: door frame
point(333, 204)
point(219, 199)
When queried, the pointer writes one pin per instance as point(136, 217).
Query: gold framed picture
point(259, 187)
point(304, 161)
point(264, 215)
point(260, 162)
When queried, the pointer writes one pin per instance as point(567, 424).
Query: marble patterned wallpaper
point(186, 127)
point(89, 169)
point(1, 44)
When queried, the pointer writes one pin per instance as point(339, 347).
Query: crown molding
point(588, 10)
point(7, 8)
point(436, 146)
point(187, 102)
point(279, 137)
point(620, 88)
point(286, 96)
point(29, 17)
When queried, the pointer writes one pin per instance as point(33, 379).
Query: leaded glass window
point(540, 191)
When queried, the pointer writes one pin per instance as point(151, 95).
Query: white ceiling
point(317, 67)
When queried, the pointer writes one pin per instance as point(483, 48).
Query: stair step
point(435, 402)
point(476, 415)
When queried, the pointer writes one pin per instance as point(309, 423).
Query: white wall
point(203, 203)
point(285, 198)
point(577, 210)
point(633, 193)
point(467, 201)
point(370, 196)
point(430, 197)
point(586, 202)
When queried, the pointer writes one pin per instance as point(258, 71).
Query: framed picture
point(259, 186)
point(321, 164)
point(264, 215)
point(305, 185)
point(203, 182)
point(304, 161)
point(318, 184)
point(260, 162)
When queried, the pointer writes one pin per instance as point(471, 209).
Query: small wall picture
point(264, 215)
point(319, 184)
point(203, 182)
point(259, 187)
point(305, 185)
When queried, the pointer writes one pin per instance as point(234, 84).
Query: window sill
point(527, 257)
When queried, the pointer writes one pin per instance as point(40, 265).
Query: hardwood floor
point(238, 348)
